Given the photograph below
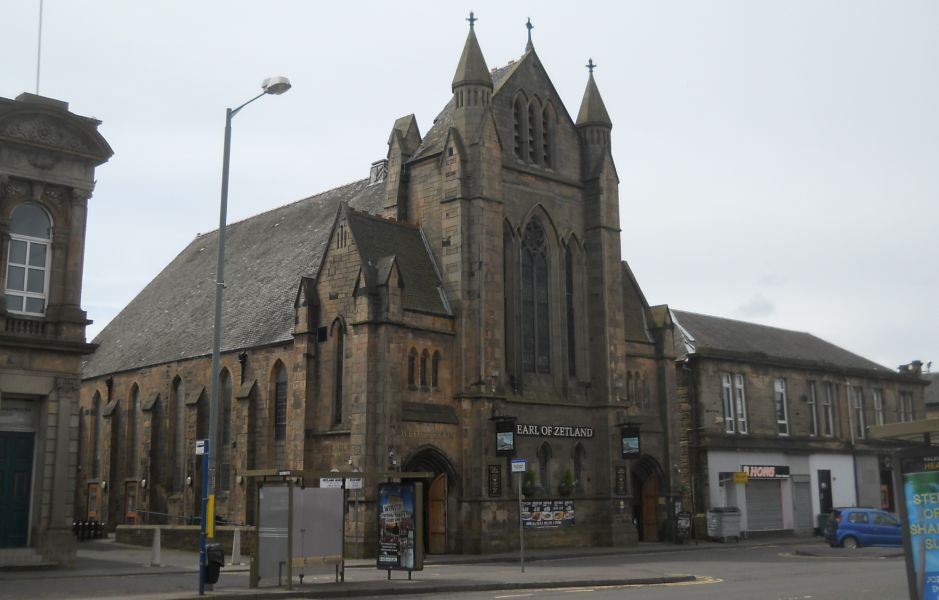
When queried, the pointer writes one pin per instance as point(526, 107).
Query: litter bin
point(214, 560)
point(724, 523)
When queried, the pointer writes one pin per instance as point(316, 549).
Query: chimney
point(914, 368)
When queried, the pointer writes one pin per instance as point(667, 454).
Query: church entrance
point(647, 491)
point(436, 494)
point(16, 468)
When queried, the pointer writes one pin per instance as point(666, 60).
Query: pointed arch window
point(412, 367)
point(280, 402)
point(424, 356)
point(28, 260)
point(569, 300)
point(177, 401)
point(224, 455)
point(544, 460)
point(518, 120)
point(339, 335)
point(580, 457)
point(533, 125)
point(96, 437)
point(133, 431)
point(536, 348)
point(435, 370)
point(547, 135)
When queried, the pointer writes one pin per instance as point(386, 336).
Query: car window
point(885, 519)
point(857, 517)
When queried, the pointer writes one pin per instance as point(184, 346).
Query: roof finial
point(472, 20)
point(529, 26)
point(590, 66)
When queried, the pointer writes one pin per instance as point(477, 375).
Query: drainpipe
point(847, 395)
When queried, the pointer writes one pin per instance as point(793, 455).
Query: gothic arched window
point(534, 123)
point(178, 403)
point(133, 432)
point(544, 458)
point(435, 370)
point(412, 367)
point(536, 348)
point(547, 135)
point(28, 260)
point(280, 402)
point(518, 115)
point(580, 456)
point(339, 334)
point(569, 299)
point(96, 441)
point(424, 356)
point(224, 451)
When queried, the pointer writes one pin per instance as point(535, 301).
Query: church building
point(472, 285)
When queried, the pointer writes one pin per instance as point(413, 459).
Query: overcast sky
point(778, 161)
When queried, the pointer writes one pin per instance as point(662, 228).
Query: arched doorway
point(647, 489)
point(436, 495)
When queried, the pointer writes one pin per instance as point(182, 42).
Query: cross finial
point(590, 66)
point(529, 27)
point(472, 20)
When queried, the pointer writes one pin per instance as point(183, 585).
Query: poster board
point(400, 526)
point(917, 480)
point(547, 514)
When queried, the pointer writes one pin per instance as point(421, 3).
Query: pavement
point(104, 568)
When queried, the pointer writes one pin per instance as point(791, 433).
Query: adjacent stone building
point(791, 411)
point(472, 283)
point(47, 174)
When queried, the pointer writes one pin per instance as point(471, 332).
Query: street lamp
point(273, 86)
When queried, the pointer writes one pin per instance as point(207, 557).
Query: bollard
point(155, 557)
point(236, 547)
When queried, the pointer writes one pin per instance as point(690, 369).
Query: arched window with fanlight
point(536, 347)
point(28, 260)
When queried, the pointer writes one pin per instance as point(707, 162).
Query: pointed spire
point(472, 69)
point(592, 109)
point(529, 46)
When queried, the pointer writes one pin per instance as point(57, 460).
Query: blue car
point(853, 527)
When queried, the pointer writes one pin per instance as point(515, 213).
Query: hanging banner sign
point(554, 431)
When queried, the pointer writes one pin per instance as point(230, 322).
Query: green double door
point(16, 465)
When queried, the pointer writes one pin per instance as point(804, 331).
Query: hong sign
point(554, 431)
point(766, 471)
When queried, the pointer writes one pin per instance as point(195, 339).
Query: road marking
point(515, 596)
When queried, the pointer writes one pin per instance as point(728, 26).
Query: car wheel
point(850, 542)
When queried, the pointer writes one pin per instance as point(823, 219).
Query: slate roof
point(715, 336)
point(381, 242)
point(634, 309)
point(266, 255)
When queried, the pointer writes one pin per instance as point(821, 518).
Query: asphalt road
point(770, 573)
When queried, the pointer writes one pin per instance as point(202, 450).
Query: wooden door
point(437, 515)
point(650, 499)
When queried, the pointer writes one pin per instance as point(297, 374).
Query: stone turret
point(594, 125)
point(472, 86)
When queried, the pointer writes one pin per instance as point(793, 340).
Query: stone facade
point(479, 283)
point(47, 162)
point(760, 396)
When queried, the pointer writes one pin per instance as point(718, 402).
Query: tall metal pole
point(521, 526)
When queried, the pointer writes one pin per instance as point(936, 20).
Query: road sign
point(741, 477)
point(201, 447)
point(354, 483)
point(519, 465)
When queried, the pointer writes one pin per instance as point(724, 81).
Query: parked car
point(853, 527)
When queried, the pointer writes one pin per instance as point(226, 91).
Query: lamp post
point(274, 86)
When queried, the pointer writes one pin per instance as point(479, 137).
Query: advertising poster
point(922, 509)
point(547, 513)
point(630, 441)
point(399, 543)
